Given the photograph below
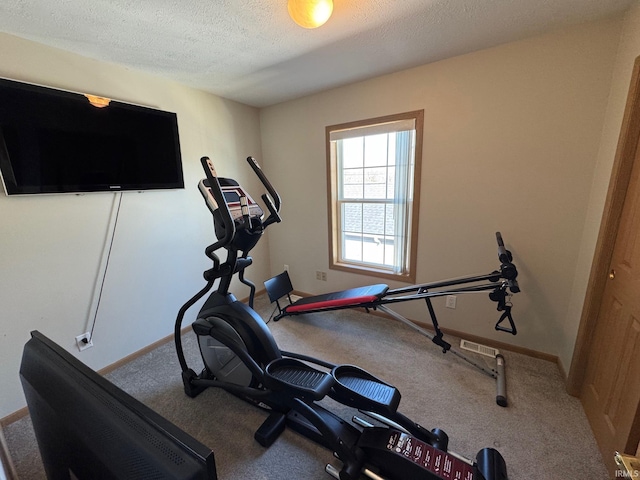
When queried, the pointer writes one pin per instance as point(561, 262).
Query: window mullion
point(364, 162)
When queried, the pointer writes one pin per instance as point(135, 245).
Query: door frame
point(618, 185)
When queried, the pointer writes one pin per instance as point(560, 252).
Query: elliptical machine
point(241, 356)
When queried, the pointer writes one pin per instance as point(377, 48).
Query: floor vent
point(478, 348)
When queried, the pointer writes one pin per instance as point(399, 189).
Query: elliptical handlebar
point(272, 200)
point(223, 208)
point(265, 181)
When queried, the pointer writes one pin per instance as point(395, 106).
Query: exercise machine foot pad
point(362, 390)
point(298, 377)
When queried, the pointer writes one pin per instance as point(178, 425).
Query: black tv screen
point(89, 429)
point(54, 141)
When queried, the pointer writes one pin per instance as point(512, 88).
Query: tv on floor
point(89, 429)
point(56, 141)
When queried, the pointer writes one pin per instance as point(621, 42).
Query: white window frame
point(403, 265)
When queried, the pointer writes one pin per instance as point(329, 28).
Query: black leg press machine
point(502, 283)
point(241, 356)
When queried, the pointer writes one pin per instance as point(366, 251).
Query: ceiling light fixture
point(310, 13)
point(99, 102)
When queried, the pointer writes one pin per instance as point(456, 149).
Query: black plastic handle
point(491, 465)
point(507, 316)
point(274, 216)
point(223, 208)
point(504, 255)
point(265, 181)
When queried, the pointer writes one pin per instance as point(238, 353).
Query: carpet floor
point(542, 434)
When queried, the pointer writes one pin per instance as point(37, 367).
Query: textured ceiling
point(252, 52)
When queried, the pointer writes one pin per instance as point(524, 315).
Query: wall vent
point(478, 348)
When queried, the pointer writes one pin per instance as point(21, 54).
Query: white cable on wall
point(104, 264)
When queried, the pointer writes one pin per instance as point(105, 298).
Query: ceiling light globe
point(310, 13)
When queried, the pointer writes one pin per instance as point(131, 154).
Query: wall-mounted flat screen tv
point(54, 141)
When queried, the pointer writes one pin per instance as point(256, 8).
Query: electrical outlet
point(286, 267)
point(323, 276)
point(451, 301)
point(318, 275)
point(84, 341)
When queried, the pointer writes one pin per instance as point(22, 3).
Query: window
point(374, 179)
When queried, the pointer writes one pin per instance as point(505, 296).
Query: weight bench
point(502, 284)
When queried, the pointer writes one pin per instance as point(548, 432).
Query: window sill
point(373, 272)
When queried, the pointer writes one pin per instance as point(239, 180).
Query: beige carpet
point(542, 434)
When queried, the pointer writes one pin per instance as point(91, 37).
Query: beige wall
point(627, 52)
point(511, 142)
point(51, 246)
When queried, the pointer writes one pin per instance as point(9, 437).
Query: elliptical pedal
point(358, 388)
point(298, 377)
